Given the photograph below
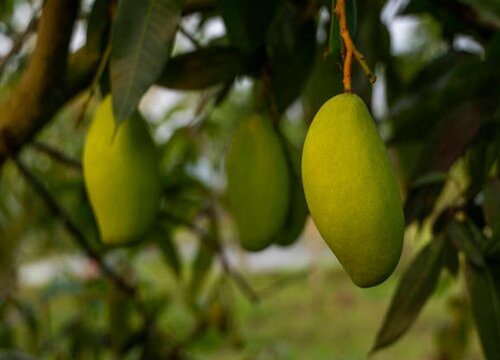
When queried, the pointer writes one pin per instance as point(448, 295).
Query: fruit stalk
point(350, 48)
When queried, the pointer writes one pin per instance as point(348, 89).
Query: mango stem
point(350, 48)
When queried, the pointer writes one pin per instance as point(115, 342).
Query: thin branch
point(19, 42)
point(242, 283)
point(350, 48)
point(40, 91)
point(57, 155)
point(190, 37)
point(95, 83)
point(237, 277)
point(58, 211)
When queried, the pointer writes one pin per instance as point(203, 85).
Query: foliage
point(439, 115)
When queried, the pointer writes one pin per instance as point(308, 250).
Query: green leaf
point(415, 287)
point(491, 205)
point(463, 238)
point(142, 38)
point(351, 14)
point(296, 216)
point(170, 253)
point(98, 24)
point(483, 285)
point(201, 267)
point(291, 48)
point(334, 39)
point(119, 320)
point(203, 68)
point(247, 21)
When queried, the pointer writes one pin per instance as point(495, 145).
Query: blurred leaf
point(456, 17)
point(462, 237)
point(325, 82)
point(201, 267)
point(334, 39)
point(247, 21)
point(14, 355)
point(291, 49)
point(491, 205)
point(451, 260)
point(119, 320)
point(182, 148)
point(170, 253)
point(351, 14)
point(99, 24)
point(7, 338)
point(416, 285)
point(483, 286)
point(204, 67)
point(296, 217)
point(142, 38)
point(483, 153)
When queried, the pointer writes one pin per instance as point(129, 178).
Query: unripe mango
point(121, 175)
point(258, 184)
point(351, 191)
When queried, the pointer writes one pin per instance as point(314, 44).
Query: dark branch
point(58, 211)
point(237, 277)
point(57, 155)
point(19, 42)
point(40, 92)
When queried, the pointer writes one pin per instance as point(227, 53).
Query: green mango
point(258, 182)
point(351, 191)
point(121, 173)
point(296, 216)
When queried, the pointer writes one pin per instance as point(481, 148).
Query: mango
point(351, 191)
point(121, 174)
point(258, 183)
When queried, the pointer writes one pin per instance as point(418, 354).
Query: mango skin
point(258, 183)
point(121, 176)
point(351, 191)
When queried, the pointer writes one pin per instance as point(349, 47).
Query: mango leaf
point(483, 154)
point(142, 38)
point(98, 24)
point(247, 21)
point(491, 205)
point(296, 217)
point(415, 287)
point(291, 48)
point(334, 39)
point(204, 68)
point(483, 285)
point(463, 238)
point(351, 14)
point(201, 267)
point(170, 253)
point(119, 320)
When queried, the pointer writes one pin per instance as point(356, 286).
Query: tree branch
point(40, 92)
point(58, 211)
point(57, 155)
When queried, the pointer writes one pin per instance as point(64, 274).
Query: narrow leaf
point(170, 254)
point(484, 296)
point(461, 235)
point(415, 287)
point(201, 267)
point(203, 68)
point(142, 38)
point(491, 205)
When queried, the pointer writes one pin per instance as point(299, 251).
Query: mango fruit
point(296, 217)
point(121, 174)
point(258, 183)
point(351, 191)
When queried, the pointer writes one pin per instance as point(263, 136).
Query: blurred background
point(435, 103)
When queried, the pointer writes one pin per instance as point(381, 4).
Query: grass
point(326, 317)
